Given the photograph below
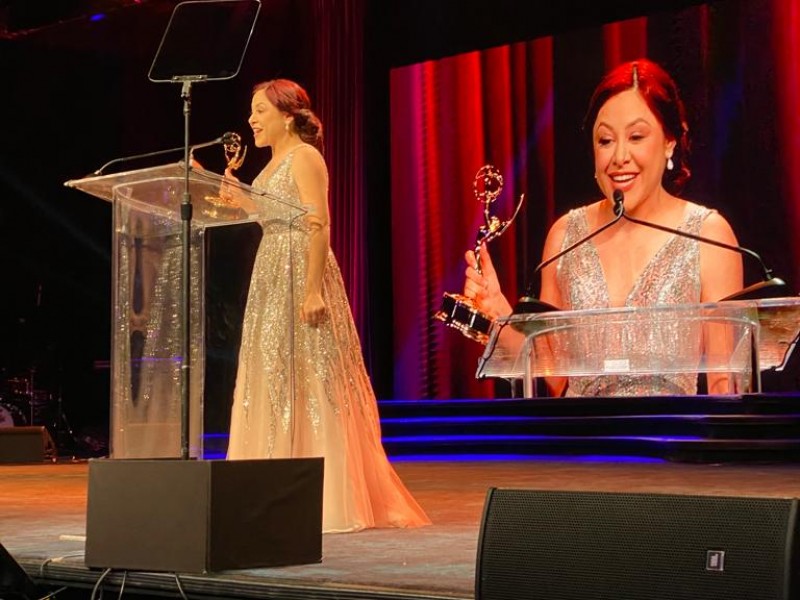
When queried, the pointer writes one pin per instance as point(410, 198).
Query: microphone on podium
point(529, 303)
point(768, 281)
point(223, 139)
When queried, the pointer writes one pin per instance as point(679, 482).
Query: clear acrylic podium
point(147, 309)
point(736, 339)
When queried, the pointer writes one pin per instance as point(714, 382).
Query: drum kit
point(23, 404)
point(30, 373)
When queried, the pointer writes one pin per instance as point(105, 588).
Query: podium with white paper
point(735, 340)
point(147, 312)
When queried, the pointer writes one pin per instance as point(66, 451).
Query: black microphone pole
point(619, 213)
point(214, 142)
point(769, 280)
point(530, 303)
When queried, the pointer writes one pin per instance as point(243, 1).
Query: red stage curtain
point(786, 25)
point(625, 40)
point(454, 116)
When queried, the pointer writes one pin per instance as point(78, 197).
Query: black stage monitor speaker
point(14, 581)
point(557, 545)
point(26, 444)
point(197, 516)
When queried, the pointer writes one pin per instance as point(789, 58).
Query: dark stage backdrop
point(520, 107)
point(75, 94)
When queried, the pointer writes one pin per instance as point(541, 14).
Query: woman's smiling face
point(267, 122)
point(630, 148)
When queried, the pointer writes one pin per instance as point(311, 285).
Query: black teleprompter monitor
point(205, 40)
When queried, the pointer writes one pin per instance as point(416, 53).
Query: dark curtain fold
point(339, 84)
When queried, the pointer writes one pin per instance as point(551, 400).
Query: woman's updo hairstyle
point(290, 98)
point(661, 94)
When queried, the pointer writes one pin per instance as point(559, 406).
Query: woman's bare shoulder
point(307, 159)
point(717, 227)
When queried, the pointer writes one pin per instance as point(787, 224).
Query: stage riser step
point(783, 449)
point(766, 427)
point(784, 404)
point(700, 450)
point(714, 427)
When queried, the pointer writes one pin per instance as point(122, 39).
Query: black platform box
point(198, 516)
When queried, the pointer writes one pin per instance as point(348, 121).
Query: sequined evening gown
point(333, 413)
point(671, 277)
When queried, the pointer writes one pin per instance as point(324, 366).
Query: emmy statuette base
point(460, 312)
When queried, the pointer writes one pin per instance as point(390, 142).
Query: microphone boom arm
point(528, 302)
point(114, 161)
point(769, 279)
point(619, 211)
point(558, 255)
point(741, 249)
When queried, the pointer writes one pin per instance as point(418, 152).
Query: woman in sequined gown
point(328, 409)
point(640, 141)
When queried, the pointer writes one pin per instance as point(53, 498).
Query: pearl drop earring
point(670, 164)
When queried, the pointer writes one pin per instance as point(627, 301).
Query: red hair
point(290, 98)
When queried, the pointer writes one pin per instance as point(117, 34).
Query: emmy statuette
point(457, 310)
point(234, 158)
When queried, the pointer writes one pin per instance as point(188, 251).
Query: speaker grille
point(585, 545)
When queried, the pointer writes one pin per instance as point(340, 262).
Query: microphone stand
point(530, 303)
point(183, 57)
point(619, 213)
point(186, 286)
point(99, 171)
point(769, 280)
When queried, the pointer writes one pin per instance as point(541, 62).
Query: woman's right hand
point(229, 190)
point(483, 286)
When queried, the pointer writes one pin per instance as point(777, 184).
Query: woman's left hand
point(313, 310)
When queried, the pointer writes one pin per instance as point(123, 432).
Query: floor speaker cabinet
point(14, 581)
point(199, 516)
point(560, 545)
point(26, 445)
